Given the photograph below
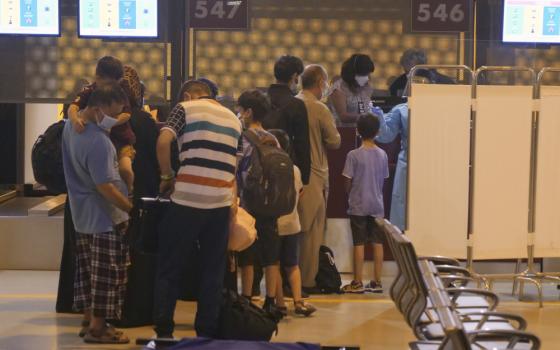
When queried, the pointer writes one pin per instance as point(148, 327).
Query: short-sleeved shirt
point(357, 102)
point(208, 140)
point(121, 135)
point(90, 159)
point(290, 224)
point(246, 151)
point(368, 168)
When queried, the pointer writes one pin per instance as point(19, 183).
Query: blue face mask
point(107, 122)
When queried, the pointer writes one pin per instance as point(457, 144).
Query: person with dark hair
point(323, 135)
point(289, 229)
point(409, 59)
point(364, 174)
point(202, 196)
point(253, 107)
point(289, 113)
point(287, 70)
point(110, 69)
point(212, 85)
point(100, 207)
point(351, 96)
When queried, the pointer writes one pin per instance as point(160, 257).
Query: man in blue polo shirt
point(99, 205)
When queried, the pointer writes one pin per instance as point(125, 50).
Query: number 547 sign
point(441, 15)
point(219, 14)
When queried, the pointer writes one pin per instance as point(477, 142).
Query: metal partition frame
point(413, 72)
point(529, 275)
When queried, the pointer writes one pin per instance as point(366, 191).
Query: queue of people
point(113, 152)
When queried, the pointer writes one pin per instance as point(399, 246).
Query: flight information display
point(29, 17)
point(118, 18)
point(531, 21)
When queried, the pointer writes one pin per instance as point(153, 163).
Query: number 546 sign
point(219, 14)
point(441, 15)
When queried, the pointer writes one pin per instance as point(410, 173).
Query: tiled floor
point(27, 319)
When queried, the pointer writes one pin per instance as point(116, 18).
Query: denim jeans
point(179, 230)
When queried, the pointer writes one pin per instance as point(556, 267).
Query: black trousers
point(65, 296)
point(180, 229)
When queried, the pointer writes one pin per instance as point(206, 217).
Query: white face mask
point(107, 122)
point(362, 80)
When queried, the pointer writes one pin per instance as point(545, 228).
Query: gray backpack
point(269, 189)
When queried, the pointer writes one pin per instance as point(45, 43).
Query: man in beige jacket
point(323, 135)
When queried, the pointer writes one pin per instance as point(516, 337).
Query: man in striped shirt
point(202, 197)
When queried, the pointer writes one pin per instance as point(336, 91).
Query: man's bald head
point(313, 75)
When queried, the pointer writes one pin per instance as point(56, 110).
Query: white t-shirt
point(289, 224)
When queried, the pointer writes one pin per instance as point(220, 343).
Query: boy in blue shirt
point(364, 174)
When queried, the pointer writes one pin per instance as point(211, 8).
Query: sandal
point(108, 335)
point(85, 329)
point(304, 309)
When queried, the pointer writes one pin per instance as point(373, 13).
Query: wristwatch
point(167, 177)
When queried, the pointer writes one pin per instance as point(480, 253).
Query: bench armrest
point(513, 336)
point(453, 269)
point(521, 323)
point(455, 293)
point(441, 260)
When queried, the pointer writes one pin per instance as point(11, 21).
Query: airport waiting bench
point(443, 313)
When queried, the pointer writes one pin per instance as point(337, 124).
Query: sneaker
point(304, 309)
point(374, 287)
point(354, 287)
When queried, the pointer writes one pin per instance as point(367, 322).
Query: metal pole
point(176, 32)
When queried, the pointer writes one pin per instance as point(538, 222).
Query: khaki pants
point(312, 211)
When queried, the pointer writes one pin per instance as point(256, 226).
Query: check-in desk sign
point(441, 15)
point(219, 14)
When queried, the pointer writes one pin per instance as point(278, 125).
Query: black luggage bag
point(139, 300)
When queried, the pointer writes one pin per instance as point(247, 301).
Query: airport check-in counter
point(31, 232)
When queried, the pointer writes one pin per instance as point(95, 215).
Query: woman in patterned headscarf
point(133, 87)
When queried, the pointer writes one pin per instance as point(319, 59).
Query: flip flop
point(108, 335)
point(85, 329)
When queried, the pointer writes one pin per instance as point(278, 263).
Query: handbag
point(242, 231)
point(242, 320)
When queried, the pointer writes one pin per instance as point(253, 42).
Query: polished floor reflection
point(27, 319)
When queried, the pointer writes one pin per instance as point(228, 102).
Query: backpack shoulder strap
point(253, 139)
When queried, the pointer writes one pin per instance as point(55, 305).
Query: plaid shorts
point(101, 273)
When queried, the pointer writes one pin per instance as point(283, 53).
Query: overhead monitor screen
point(29, 17)
point(531, 21)
point(118, 18)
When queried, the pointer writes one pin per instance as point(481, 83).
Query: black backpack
point(269, 189)
point(242, 320)
point(46, 159)
point(328, 278)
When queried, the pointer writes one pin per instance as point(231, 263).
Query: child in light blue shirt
point(364, 174)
